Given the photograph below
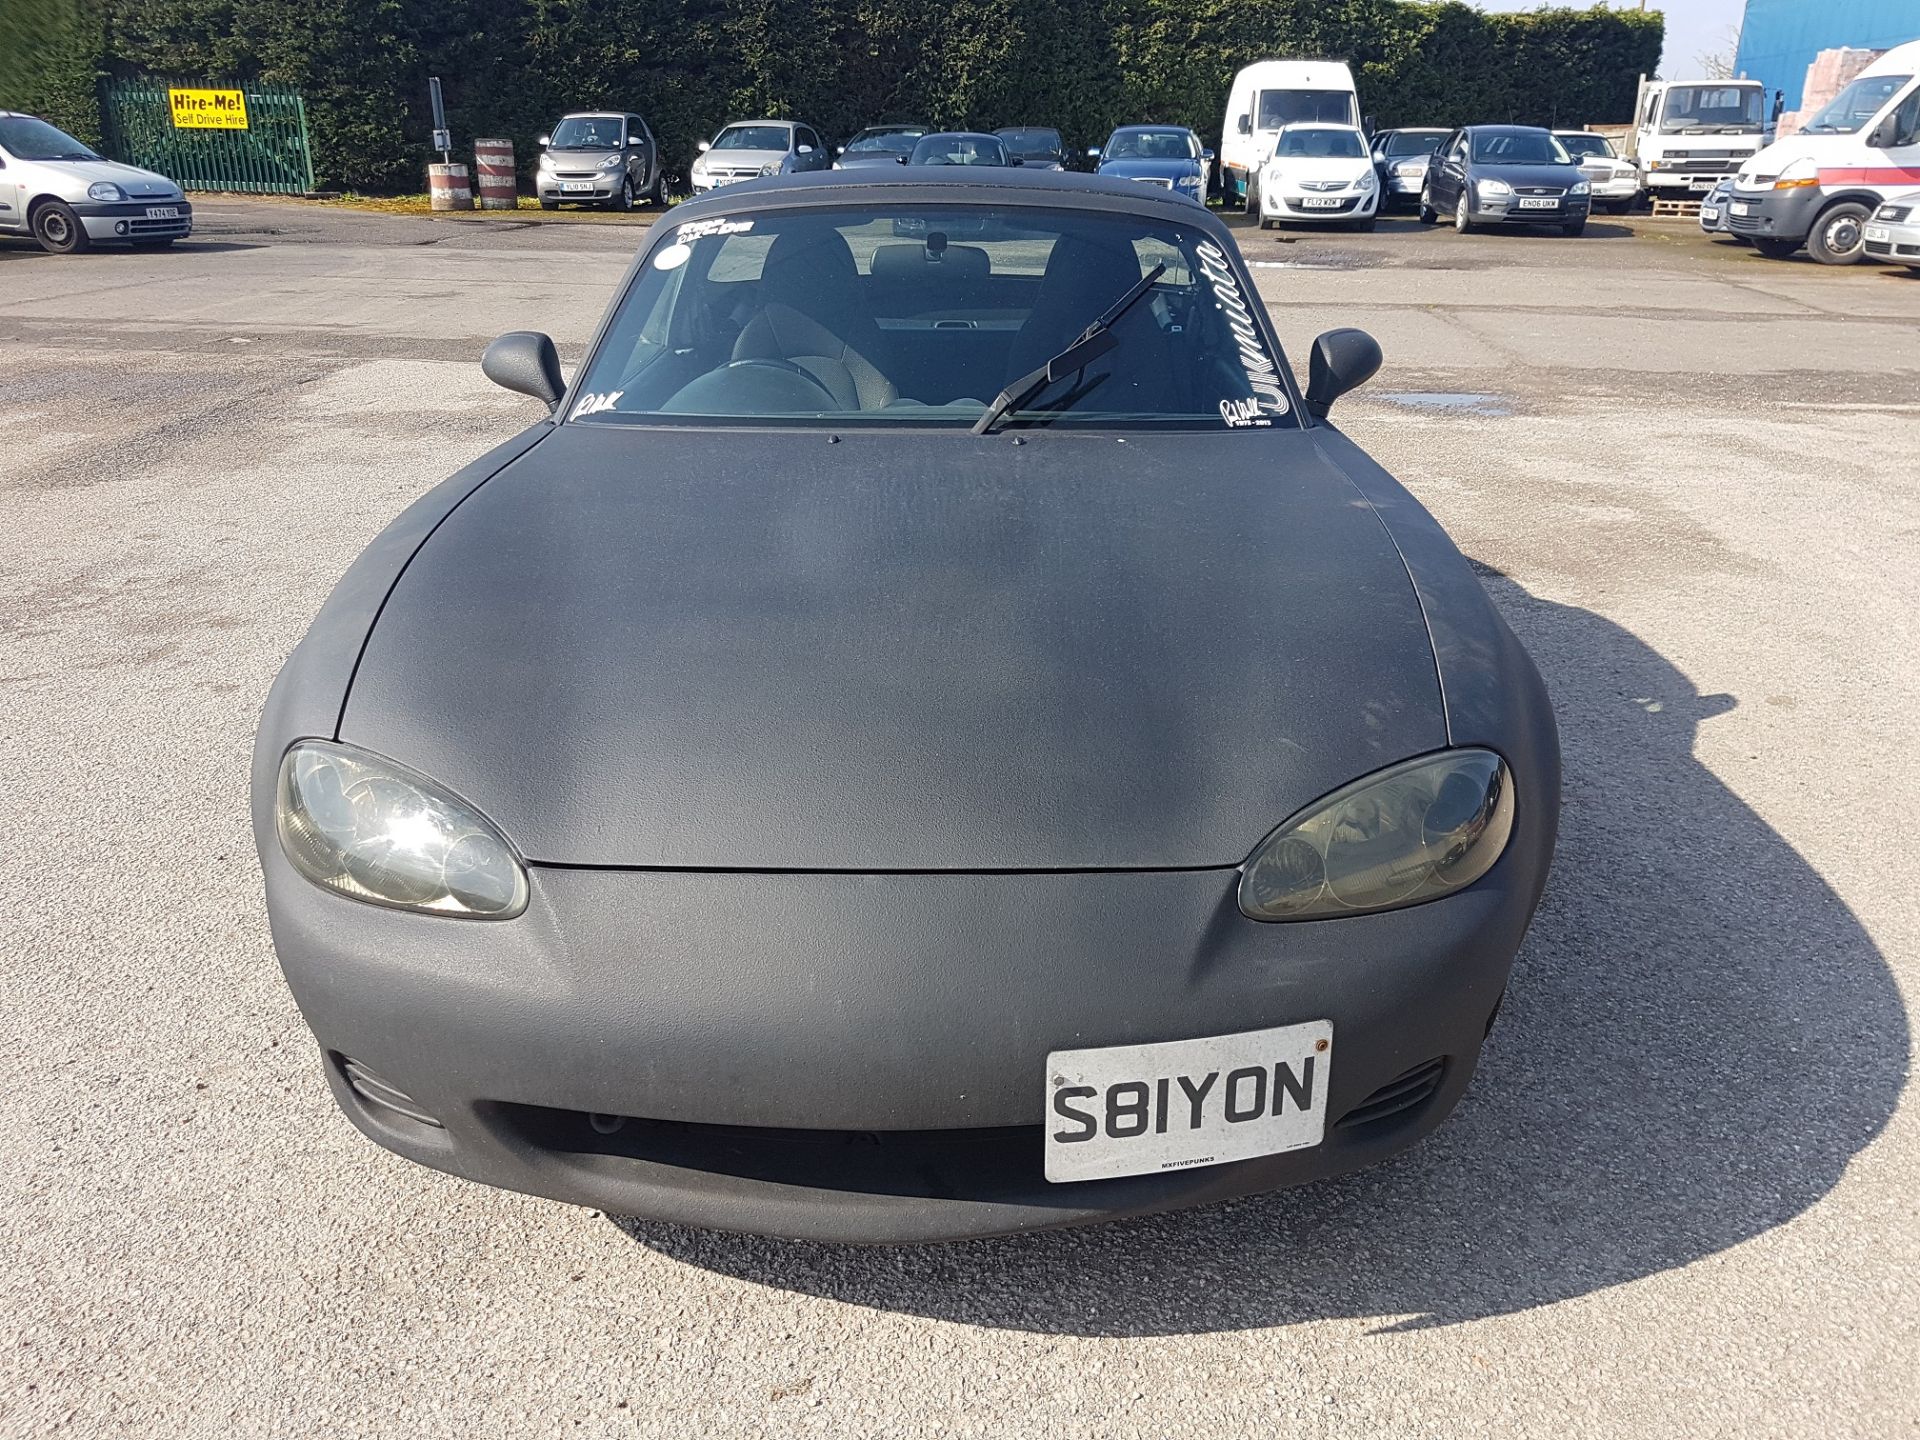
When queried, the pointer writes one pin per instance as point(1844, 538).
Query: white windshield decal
point(1269, 396)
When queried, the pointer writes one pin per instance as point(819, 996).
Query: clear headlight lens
point(1494, 187)
point(1580, 187)
point(772, 167)
point(1415, 831)
point(372, 830)
point(610, 162)
point(1365, 182)
point(104, 190)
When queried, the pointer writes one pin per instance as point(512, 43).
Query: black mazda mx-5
point(932, 737)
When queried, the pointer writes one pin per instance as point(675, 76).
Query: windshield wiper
point(1090, 345)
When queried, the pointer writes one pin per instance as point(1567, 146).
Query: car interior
point(889, 317)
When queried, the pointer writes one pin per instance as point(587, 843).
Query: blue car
point(1165, 155)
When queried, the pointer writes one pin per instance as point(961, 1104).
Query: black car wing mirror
point(1342, 360)
point(1244, 125)
point(525, 362)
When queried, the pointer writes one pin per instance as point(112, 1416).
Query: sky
point(1694, 28)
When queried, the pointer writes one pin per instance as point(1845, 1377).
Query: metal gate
point(266, 151)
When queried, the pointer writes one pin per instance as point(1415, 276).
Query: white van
point(1267, 95)
point(1689, 135)
point(1818, 187)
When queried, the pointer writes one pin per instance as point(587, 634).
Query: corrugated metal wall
point(1780, 37)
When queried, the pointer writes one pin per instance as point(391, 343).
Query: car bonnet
point(755, 649)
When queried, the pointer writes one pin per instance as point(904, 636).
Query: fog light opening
point(119, 227)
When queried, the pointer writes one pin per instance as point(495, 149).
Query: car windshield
point(1149, 145)
point(1855, 106)
point(1712, 107)
point(1296, 107)
point(1322, 144)
point(26, 138)
point(883, 142)
point(1519, 147)
point(1581, 145)
point(587, 132)
point(752, 137)
point(959, 150)
point(1413, 143)
point(888, 314)
point(1032, 144)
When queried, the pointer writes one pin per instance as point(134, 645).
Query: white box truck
point(1689, 135)
point(1267, 95)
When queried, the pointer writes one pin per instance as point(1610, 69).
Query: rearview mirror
point(704, 146)
point(545, 141)
point(1244, 125)
point(525, 362)
point(1342, 360)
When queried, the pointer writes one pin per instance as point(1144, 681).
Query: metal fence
point(270, 155)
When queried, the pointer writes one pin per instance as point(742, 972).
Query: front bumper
point(862, 1057)
point(1901, 245)
point(1624, 187)
point(1774, 214)
point(129, 220)
point(1291, 207)
point(1570, 210)
point(601, 188)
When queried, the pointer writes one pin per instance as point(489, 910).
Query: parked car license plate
point(1710, 214)
point(1703, 182)
point(574, 187)
point(1533, 202)
point(1878, 233)
point(1741, 208)
point(163, 212)
point(1181, 1104)
point(1319, 202)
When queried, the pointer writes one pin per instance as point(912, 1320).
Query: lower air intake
point(381, 1093)
point(1402, 1093)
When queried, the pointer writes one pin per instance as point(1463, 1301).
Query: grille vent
point(375, 1091)
point(1399, 1094)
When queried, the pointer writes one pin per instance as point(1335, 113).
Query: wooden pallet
point(1679, 209)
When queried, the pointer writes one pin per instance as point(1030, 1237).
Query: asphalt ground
point(1680, 1198)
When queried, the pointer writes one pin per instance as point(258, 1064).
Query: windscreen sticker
point(594, 404)
point(695, 229)
point(673, 257)
point(1269, 396)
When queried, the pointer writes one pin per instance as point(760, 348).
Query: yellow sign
point(208, 109)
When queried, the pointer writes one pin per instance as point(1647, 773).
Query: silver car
point(600, 157)
point(65, 196)
point(1893, 234)
point(747, 149)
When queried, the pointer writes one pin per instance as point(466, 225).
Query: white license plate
point(1181, 1104)
point(1878, 232)
point(1740, 208)
point(1532, 202)
point(1710, 214)
point(1319, 202)
point(163, 212)
point(575, 187)
point(1705, 182)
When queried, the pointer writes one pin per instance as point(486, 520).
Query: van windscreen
point(1311, 107)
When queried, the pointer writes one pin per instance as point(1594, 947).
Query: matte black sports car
point(928, 738)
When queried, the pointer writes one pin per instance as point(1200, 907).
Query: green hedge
point(510, 66)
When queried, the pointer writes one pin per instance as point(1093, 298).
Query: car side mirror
point(1093, 152)
point(525, 362)
point(545, 141)
point(1342, 360)
point(704, 146)
point(1206, 154)
point(1016, 160)
point(806, 150)
point(1244, 125)
point(904, 159)
point(839, 149)
point(1882, 136)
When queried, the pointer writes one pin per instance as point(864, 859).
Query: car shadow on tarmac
point(1699, 1036)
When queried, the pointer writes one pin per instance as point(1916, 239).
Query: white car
point(1615, 182)
point(1893, 234)
point(65, 196)
point(748, 149)
point(1319, 174)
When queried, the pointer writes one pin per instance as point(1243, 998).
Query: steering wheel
point(771, 362)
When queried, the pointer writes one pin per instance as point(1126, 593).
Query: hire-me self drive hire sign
point(208, 109)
